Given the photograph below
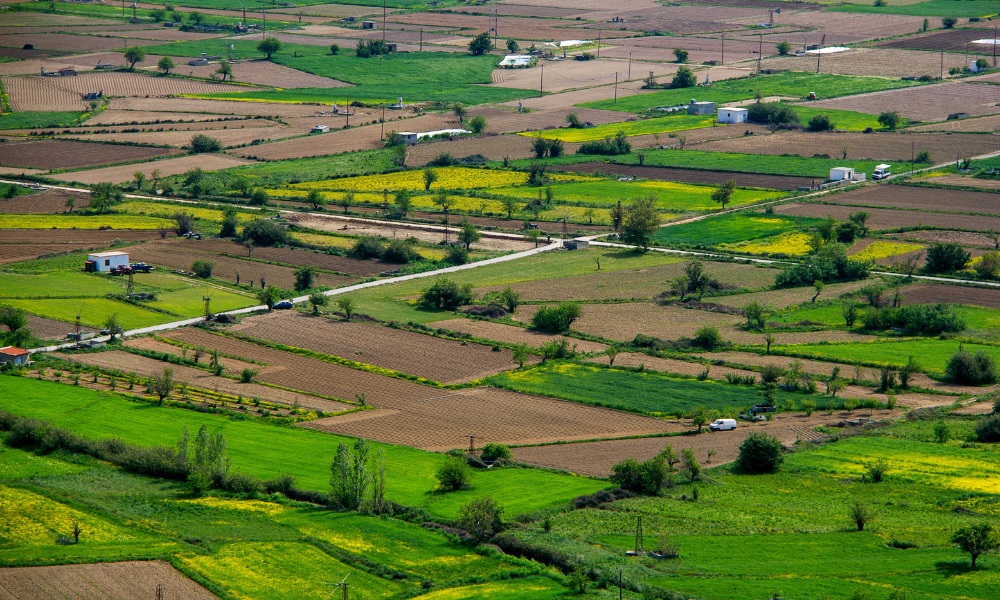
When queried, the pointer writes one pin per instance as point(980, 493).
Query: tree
point(724, 193)
point(509, 204)
point(617, 215)
point(966, 368)
point(134, 55)
point(690, 465)
point(304, 277)
point(210, 464)
point(70, 203)
point(203, 268)
point(202, 143)
point(269, 46)
point(699, 417)
point(347, 306)
point(196, 17)
point(165, 64)
point(976, 539)
point(481, 44)
point(12, 318)
point(948, 23)
point(642, 220)
point(269, 296)
point(477, 125)
point(104, 196)
point(351, 477)
point(258, 197)
point(783, 48)
point(318, 300)
point(139, 178)
point(112, 326)
point(509, 299)
point(683, 78)
point(454, 474)
point(445, 294)
point(756, 314)
point(316, 199)
point(482, 518)
point(335, 49)
point(760, 453)
point(161, 384)
point(430, 176)
point(820, 123)
point(860, 515)
point(946, 257)
point(512, 46)
point(443, 200)
point(555, 319)
point(158, 15)
point(346, 201)
point(681, 55)
point(469, 235)
point(890, 120)
point(225, 70)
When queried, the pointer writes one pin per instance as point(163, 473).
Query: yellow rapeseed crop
point(884, 249)
point(29, 519)
point(791, 243)
point(448, 178)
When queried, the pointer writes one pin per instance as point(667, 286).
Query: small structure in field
point(13, 354)
point(320, 129)
point(105, 262)
point(700, 108)
point(200, 61)
point(576, 244)
point(410, 137)
point(516, 61)
point(367, 24)
point(845, 174)
point(733, 115)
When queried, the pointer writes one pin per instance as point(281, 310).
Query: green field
point(112, 221)
point(932, 8)
point(110, 11)
point(843, 120)
point(265, 450)
point(932, 354)
point(279, 172)
point(730, 228)
point(792, 85)
point(38, 120)
point(643, 392)
point(631, 128)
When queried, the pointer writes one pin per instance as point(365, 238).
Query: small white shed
point(320, 129)
point(700, 108)
point(410, 137)
point(842, 174)
point(105, 261)
point(733, 115)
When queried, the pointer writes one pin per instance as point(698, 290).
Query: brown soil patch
point(425, 356)
point(215, 107)
point(82, 62)
point(65, 154)
point(876, 146)
point(891, 219)
point(172, 166)
point(179, 254)
point(144, 367)
point(954, 294)
point(492, 147)
point(328, 262)
point(106, 581)
point(510, 334)
point(987, 124)
point(238, 135)
point(774, 182)
point(492, 415)
point(48, 329)
point(876, 62)
point(45, 202)
point(65, 42)
point(788, 296)
point(573, 74)
point(73, 236)
point(28, 93)
point(115, 116)
point(926, 103)
point(965, 181)
point(949, 39)
point(841, 28)
point(965, 238)
point(930, 199)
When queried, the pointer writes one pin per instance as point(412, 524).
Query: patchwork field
point(64, 154)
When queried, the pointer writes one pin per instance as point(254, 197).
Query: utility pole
point(913, 155)
point(541, 82)
point(616, 87)
point(600, 33)
point(942, 62)
point(347, 110)
point(383, 21)
point(760, 53)
point(629, 66)
point(994, 46)
point(263, 12)
point(381, 134)
point(723, 49)
point(619, 583)
point(421, 39)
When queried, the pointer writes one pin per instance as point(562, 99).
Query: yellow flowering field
point(449, 178)
point(82, 222)
point(500, 590)
point(155, 209)
point(28, 519)
point(254, 506)
point(791, 243)
point(885, 249)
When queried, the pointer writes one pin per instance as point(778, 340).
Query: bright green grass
point(15, 464)
point(110, 11)
point(730, 228)
point(631, 128)
point(93, 311)
point(536, 588)
point(272, 174)
point(432, 91)
point(670, 196)
point(265, 450)
point(646, 392)
point(796, 85)
point(14, 285)
point(828, 314)
point(33, 120)
point(188, 302)
point(932, 8)
point(394, 301)
point(931, 353)
point(843, 120)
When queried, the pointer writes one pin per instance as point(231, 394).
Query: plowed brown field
point(430, 357)
point(512, 335)
point(925, 103)
point(329, 262)
point(104, 581)
point(882, 218)
point(138, 85)
point(66, 154)
point(955, 294)
point(28, 93)
point(936, 200)
point(172, 166)
point(48, 201)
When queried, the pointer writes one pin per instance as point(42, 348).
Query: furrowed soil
point(925, 103)
point(929, 199)
point(952, 294)
point(290, 256)
point(65, 154)
point(104, 581)
point(167, 167)
point(49, 201)
point(697, 176)
point(433, 358)
point(892, 219)
point(512, 335)
point(144, 367)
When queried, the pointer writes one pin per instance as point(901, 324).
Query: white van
point(722, 425)
point(882, 171)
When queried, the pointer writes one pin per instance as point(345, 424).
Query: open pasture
point(65, 154)
point(111, 581)
point(730, 228)
point(882, 219)
point(429, 357)
point(693, 176)
point(932, 354)
point(925, 103)
point(257, 72)
point(898, 147)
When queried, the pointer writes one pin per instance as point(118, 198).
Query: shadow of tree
point(951, 568)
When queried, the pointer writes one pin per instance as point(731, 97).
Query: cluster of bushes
point(264, 232)
point(918, 319)
point(775, 114)
point(543, 147)
point(829, 264)
point(392, 251)
point(555, 319)
point(609, 146)
point(945, 258)
point(445, 294)
point(967, 368)
point(369, 48)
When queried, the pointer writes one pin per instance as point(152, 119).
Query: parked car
point(722, 425)
point(283, 305)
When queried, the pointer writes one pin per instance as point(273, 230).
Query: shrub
point(772, 113)
point(783, 48)
point(265, 232)
point(683, 78)
point(457, 255)
point(875, 471)
point(760, 453)
point(477, 124)
point(890, 120)
point(454, 474)
point(988, 429)
point(494, 451)
point(948, 22)
point(608, 146)
point(400, 252)
point(304, 277)
point(860, 515)
point(482, 518)
point(555, 319)
point(681, 55)
point(944, 258)
point(828, 265)
point(202, 143)
point(820, 123)
point(203, 268)
point(708, 338)
point(971, 369)
point(445, 294)
point(644, 478)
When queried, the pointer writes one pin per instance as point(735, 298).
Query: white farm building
point(105, 261)
point(733, 115)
